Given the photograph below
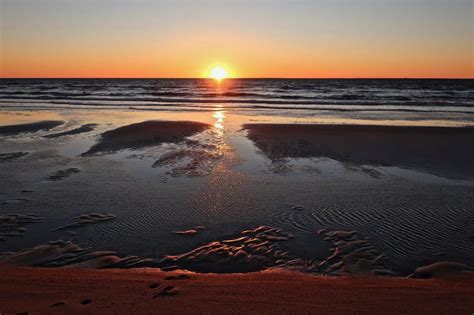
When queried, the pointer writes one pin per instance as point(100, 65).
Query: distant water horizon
point(237, 78)
point(289, 95)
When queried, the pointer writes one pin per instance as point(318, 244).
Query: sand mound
point(12, 156)
point(82, 129)
point(259, 249)
point(352, 254)
point(444, 269)
point(14, 224)
point(252, 250)
point(66, 254)
point(144, 134)
point(192, 231)
point(30, 127)
point(86, 219)
point(441, 151)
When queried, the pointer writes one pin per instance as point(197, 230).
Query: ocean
point(410, 97)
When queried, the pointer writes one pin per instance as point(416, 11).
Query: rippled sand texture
point(66, 254)
point(12, 224)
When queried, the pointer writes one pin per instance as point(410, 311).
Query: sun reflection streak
point(219, 123)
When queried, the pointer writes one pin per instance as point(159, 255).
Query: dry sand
point(444, 151)
point(276, 291)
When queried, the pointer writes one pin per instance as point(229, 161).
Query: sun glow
point(218, 73)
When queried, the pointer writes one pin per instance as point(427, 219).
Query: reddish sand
point(152, 291)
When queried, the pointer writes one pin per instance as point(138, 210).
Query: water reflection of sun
point(219, 123)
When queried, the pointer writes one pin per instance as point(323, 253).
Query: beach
point(269, 292)
point(236, 157)
point(289, 210)
point(318, 198)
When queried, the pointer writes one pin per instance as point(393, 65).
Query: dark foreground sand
point(444, 151)
point(277, 291)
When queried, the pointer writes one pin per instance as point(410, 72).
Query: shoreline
point(149, 290)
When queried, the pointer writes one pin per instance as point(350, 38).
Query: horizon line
point(242, 78)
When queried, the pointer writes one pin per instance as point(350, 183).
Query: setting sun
point(218, 73)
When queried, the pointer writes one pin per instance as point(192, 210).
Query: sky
point(249, 38)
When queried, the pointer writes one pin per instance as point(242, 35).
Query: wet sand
point(144, 134)
point(12, 156)
point(350, 212)
point(443, 151)
point(275, 291)
point(30, 127)
point(82, 129)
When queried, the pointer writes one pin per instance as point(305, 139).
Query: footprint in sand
point(86, 219)
point(154, 285)
point(57, 304)
point(86, 301)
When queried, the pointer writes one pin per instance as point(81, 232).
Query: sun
point(218, 73)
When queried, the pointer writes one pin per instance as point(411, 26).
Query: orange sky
point(139, 38)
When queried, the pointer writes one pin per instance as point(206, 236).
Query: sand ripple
point(69, 255)
point(444, 269)
point(192, 231)
point(407, 232)
point(352, 254)
point(252, 250)
point(86, 219)
point(14, 224)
